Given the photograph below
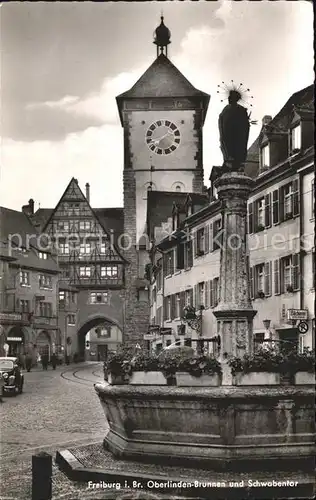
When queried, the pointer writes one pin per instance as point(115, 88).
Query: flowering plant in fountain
point(273, 361)
point(119, 363)
point(145, 362)
point(199, 365)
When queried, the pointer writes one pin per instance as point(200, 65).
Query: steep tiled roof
point(112, 219)
point(162, 79)
point(16, 227)
point(303, 99)
point(159, 207)
point(41, 217)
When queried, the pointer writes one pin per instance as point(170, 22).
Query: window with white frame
point(178, 306)
point(217, 234)
point(260, 213)
point(64, 248)
point(85, 271)
point(200, 241)
point(24, 306)
point(45, 309)
point(288, 200)
point(287, 272)
point(201, 294)
point(189, 297)
point(99, 298)
point(24, 278)
point(71, 319)
point(168, 306)
point(296, 138)
point(265, 156)
point(169, 262)
point(45, 281)
point(63, 226)
point(259, 279)
point(43, 255)
point(85, 248)
point(103, 248)
point(109, 272)
point(85, 225)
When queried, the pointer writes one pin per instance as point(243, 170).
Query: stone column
point(234, 312)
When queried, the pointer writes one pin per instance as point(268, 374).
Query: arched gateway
point(97, 336)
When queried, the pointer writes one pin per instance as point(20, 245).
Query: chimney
point(88, 192)
point(266, 120)
point(29, 209)
point(31, 205)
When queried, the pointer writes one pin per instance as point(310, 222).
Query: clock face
point(163, 137)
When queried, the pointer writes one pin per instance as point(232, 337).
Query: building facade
point(185, 260)
point(91, 288)
point(29, 288)
point(162, 117)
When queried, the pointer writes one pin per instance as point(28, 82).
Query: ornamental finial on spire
point(162, 37)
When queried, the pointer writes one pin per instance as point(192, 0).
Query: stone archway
point(104, 340)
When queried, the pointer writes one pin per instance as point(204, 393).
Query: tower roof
point(162, 79)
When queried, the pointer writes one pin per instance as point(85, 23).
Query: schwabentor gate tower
point(162, 116)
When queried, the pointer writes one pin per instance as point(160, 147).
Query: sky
point(63, 63)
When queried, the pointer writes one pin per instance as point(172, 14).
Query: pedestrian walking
point(54, 361)
point(28, 362)
point(45, 361)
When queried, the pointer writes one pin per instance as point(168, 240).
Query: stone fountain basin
point(224, 426)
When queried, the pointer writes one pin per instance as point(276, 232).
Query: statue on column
point(234, 124)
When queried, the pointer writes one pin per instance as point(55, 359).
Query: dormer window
point(296, 138)
point(265, 156)
point(190, 212)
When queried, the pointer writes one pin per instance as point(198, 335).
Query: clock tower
point(162, 116)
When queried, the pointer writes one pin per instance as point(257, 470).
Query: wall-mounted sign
point(297, 314)
point(14, 339)
point(10, 316)
point(302, 327)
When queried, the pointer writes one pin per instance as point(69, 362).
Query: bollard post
point(42, 476)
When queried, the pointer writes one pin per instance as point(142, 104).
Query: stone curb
point(186, 487)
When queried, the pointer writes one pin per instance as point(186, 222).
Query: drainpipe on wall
point(301, 233)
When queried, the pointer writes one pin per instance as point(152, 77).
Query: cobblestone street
point(57, 409)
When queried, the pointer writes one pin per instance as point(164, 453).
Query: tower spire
point(162, 37)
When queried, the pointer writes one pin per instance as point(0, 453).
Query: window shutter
point(267, 210)
point(296, 198)
point(206, 239)
point(250, 218)
point(165, 267)
point(251, 278)
point(211, 238)
point(195, 243)
point(255, 216)
point(196, 296)
point(281, 204)
point(277, 277)
point(296, 271)
point(165, 315)
point(182, 303)
point(267, 279)
point(212, 293)
point(173, 306)
point(206, 295)
point(191, 296)
point(275, 207)
point(172, 262)
point(180, 256)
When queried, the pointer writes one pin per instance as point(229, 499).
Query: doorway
point(102, 352)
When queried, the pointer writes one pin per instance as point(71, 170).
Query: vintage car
point(12, 378)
